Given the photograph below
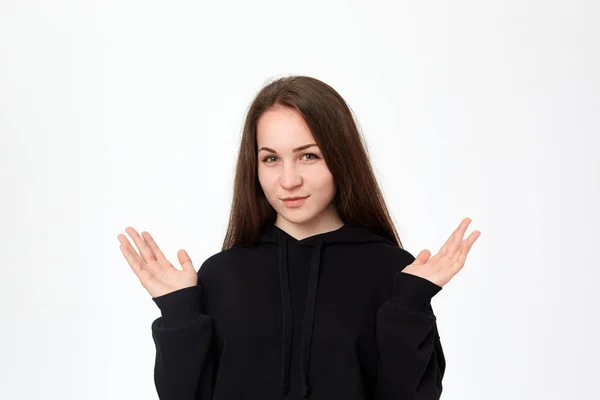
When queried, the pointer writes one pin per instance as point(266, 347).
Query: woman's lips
point(294, 203)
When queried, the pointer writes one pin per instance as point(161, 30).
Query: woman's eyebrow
point(297, 149)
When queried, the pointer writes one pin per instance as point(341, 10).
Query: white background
point(117, 113)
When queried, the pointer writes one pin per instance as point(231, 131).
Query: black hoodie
point(327, 317)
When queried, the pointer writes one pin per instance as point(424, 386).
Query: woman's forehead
point(281, 135)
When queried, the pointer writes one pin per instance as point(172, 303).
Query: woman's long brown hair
point(359, 200)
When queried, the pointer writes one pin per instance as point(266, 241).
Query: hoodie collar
point(346, 234)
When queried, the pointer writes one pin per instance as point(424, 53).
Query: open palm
point(440, 268)
point(156, 274)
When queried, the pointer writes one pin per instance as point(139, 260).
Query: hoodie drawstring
point(309, 314)
point(287, 316)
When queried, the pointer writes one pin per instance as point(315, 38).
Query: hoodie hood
point(347, 234)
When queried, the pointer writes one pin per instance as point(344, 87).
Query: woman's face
point(283, 172)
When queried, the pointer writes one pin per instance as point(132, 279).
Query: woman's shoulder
point(225, 261)
point(386, 254)
point(385, 262)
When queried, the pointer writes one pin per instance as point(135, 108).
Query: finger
point(461, 255)
point(144, 275)
point(422, 257)
point(153, 246)
point(453, 242)
point(133, 259)
point(151, 267)
point(130, 251)
point(141, 244)
point(463, 247)
point(184, 260)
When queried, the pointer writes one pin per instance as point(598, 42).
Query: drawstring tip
point(305, 390)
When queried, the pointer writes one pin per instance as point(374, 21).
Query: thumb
point(422, 257)
point(184, 260)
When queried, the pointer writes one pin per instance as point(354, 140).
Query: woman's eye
point(310, 154)
point(305, 154)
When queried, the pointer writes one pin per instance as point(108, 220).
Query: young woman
point(312, 294)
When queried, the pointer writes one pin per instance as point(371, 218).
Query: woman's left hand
point(440, 268)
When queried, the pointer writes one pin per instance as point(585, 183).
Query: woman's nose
point(290, 177)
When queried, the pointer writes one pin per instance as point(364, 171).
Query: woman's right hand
point(156, 274)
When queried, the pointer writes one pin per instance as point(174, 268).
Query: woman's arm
point(411, 360)
point(184, 365)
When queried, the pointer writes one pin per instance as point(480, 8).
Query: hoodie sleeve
point(184, 365)
point(411, 361)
